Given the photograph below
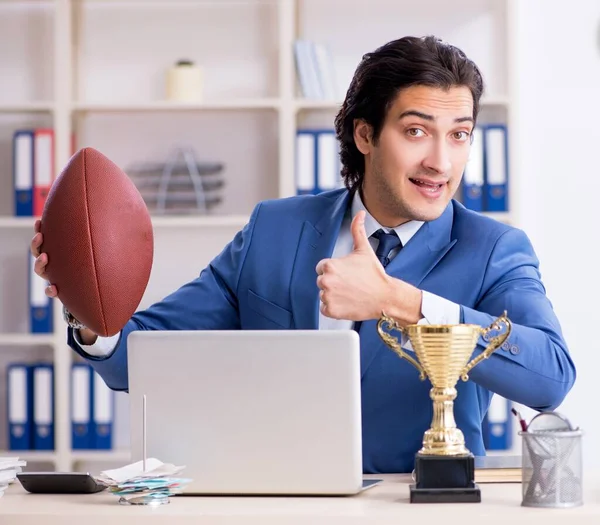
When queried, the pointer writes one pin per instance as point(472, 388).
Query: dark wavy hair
point(380, 76)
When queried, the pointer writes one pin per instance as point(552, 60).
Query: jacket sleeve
point(533, 366)
point(209, 302)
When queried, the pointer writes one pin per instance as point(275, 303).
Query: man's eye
point(461, 135)
point(414, 132)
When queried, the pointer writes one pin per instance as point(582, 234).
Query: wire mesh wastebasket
point(552, 468)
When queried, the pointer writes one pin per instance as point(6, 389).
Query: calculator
point(59, 483)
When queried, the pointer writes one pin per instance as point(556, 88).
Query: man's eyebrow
point(413, 113)
point(431, 118)
point(464, 119)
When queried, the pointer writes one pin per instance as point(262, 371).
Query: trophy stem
point(443, 438)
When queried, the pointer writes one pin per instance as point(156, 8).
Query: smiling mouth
point(427, 185)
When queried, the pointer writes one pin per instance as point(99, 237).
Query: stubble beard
point(392, 203)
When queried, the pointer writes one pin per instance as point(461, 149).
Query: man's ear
point(363, 134)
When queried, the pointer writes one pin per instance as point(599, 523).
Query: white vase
point(184, 82)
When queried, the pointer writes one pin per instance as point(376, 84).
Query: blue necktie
point(387, 242)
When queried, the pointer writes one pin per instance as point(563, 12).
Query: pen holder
point(552, 468)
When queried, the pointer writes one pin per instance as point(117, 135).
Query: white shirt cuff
point(102, 347)
point(435, 310)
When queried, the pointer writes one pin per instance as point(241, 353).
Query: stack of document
point(158, 479)
point(9, 468)
point(498, 469)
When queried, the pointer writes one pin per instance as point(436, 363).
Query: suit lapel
point(424, 250)
point(412, 264)
point(316, 242)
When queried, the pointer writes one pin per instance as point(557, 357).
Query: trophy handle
point(392, 342)
point(495, 343)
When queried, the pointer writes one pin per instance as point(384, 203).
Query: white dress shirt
point(435, 309)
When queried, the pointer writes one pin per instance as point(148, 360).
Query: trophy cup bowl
point(444, 467)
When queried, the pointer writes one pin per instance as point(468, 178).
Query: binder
point(103, 413)
point(307, 69)
point(23, 159)
point(43, 168)
point(306, 162)
point(474, 174)
point(43, 406)
point(40, 305)
point(19, 410)
point(325, 72)
point(81, 406)
point(497, 427)
point(496, 170)
point(328, 165)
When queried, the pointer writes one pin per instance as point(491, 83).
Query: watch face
point(70, 320)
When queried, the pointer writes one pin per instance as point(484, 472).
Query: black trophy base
point(445, 479)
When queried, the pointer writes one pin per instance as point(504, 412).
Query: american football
point(97, 233)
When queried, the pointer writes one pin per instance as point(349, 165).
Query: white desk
point(386, 503)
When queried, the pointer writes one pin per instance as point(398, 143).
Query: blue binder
point(20, 405)
point(23, 159)
point(497, 425)
point(496, 167)
point(43, 406)
point(317, 161)
point(103, 413)
point(40, 305)
point(306, 162)
point(473, 183)
point(328, 175)
point(81, 407)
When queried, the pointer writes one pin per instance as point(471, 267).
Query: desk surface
point(386, 503)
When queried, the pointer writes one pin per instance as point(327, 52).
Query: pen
point(521, 420)
point(144, 433)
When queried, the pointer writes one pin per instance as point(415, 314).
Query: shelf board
point(30, 455)
point(26, 107)
point(26, 339)
point(123, 456)
point(170, 4)
point(495, 101)
point(334, 105)
point(214, 105)
point(158, 221)
point(502, 216)
point(302, 104)
point(18, 222)
point(202, 221)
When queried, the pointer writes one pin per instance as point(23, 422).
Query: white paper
point(154, 469)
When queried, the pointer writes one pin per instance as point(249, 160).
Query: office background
point(95, 72)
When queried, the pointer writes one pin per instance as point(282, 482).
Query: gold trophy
point(444, 467)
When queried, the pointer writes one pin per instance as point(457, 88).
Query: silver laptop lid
point(275, 412)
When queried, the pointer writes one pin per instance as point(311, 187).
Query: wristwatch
point(70, 320)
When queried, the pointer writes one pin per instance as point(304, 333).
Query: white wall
point(558, 97)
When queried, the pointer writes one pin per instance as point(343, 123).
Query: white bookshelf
point(17, 222)
point(213, 105)
point(208, 221)
point(77, 456)
point(80, 71)
point(27, 107)
point(26, 339)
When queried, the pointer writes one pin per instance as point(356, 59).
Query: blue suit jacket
point(265, 279)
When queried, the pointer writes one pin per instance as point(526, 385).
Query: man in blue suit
point(394, 241)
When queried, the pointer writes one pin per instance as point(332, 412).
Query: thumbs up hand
point(354, 287)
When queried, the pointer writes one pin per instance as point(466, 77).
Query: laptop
point(250, 412)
